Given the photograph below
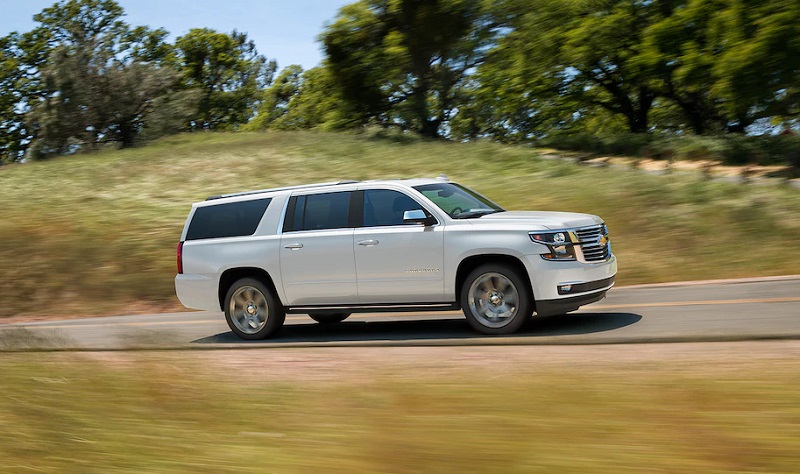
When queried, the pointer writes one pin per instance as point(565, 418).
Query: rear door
point(317, 257)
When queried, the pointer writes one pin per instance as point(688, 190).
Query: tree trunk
point(739, 126)
point(637, 113)
point(127, 135)
point(430, 128)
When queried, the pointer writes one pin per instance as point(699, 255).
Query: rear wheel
point(252, 310)
point(329, 318)
point(496, 299)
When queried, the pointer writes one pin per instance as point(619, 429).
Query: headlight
point(558, 242)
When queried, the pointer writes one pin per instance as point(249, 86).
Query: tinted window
point(385, 207)
point(321, 211)
point(233, 219)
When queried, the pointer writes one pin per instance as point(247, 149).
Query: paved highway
point(766, 308)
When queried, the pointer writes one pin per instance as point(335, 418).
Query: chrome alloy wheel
point(493, 300)
point(249, 309)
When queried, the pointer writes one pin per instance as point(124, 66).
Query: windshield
point(457, 201)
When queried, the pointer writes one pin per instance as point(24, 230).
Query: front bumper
point(565, 305)
point(560, 287)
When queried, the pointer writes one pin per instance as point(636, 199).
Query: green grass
point(96, 234)
point(171, 412)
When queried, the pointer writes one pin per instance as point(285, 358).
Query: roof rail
point(285, 188)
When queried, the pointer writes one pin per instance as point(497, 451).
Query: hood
point(547, 219)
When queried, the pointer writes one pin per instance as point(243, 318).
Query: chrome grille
point(594, 243)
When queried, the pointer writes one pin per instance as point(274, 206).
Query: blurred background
point(676, 121)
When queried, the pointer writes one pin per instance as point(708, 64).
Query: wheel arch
point(466, 266)
point(231, 275)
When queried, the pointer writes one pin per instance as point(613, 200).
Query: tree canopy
point(405, 62)
point(84, 78)
point(506, 70)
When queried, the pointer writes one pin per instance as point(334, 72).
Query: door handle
point(368, 243)
point(293, 246)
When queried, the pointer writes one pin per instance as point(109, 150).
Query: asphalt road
point(693, 311)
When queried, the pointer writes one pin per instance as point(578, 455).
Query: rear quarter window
point(234, 219)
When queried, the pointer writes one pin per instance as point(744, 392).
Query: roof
point(406, 182)
point(285, 188)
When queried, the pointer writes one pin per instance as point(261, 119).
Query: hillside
point(96, 234)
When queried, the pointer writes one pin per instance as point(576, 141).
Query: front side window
point(319, 212)
point(384, 207)
point(457, 201)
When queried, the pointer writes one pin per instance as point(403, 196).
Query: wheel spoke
point(503, 283)
point(494, 281)
point(260, 301)
point(240, 301)
point(248, 294)
point(506, 310)
point(511, 298)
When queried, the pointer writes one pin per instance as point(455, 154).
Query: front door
point(397, 262)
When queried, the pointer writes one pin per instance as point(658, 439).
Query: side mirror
point(417, 216)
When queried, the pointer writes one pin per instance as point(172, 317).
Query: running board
point(375, 308)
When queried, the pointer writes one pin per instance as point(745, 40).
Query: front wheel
point(496, 299)
point(252, 310)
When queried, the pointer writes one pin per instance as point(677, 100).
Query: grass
point(171, 413)
point(96, 234)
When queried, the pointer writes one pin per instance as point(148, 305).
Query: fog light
point(566, 288)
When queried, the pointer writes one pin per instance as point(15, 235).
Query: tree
point(82, 78)
point(302, 100)
point(405, 62)
point(12, 122)
point(228, 71)
point(704, 65)
point(275, 103)
point(679, 51)
point(759, 68)
point(586, 52)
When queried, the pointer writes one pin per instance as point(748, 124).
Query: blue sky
point(285, 30)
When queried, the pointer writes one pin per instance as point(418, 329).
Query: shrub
point(728, 149)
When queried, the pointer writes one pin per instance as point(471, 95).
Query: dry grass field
point(680, 408)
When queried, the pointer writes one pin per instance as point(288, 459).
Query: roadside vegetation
point(627, 409)
point(96, 233)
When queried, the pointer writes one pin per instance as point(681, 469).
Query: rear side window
point(318, 212)
point(233, 219)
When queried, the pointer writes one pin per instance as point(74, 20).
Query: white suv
point(332, 249)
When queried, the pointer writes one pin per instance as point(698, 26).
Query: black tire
point(329, 318)
point(252, 310)
point(496, 299)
